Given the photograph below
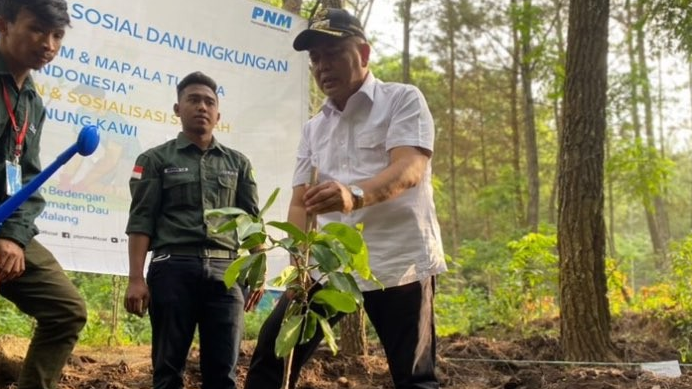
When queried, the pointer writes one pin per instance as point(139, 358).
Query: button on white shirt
point(402, 234)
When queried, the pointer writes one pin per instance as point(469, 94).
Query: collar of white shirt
point(367, 89)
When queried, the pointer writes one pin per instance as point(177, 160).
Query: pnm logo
point(271, 19)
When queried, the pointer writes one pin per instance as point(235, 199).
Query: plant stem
point(303, 279)
point(288, 360)
point(310, 218)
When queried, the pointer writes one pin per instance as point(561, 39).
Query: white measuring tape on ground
point(668, 369)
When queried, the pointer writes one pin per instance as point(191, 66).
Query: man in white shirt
point(371, 145)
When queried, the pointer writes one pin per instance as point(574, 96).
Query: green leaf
point(258, 271)
point(347, 235)
point(248, 261)
point(324, 256)
point(218, 222)
point(328, 334)
point(347, 284)
point(287, 275)
point(294, 309)
point(340, 301)
point(225, 227)
point(230, 276)
point(269, 203)
point(289, 245)
point(359, 263)
point(224, 212)
point(288, 336)
point(329, 311)
point(343, 256)
point(247, 227)
point(254, 240)
point(285, 243)
point(290, 228)
point(310, 327)
point(244, 271)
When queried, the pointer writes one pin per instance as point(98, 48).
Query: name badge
point(174, 170)
point(13, 172)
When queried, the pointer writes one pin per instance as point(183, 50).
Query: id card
point(13, 172)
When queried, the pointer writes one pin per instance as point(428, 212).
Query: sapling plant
point(327, 255)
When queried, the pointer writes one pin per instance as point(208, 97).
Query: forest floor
point(485, 361)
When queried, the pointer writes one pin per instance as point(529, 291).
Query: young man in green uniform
point(171, 185)
point(31, 33)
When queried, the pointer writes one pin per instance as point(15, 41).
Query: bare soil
point(497, 361)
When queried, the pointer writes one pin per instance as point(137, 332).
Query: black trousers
point(189, 293)
point(404, 321)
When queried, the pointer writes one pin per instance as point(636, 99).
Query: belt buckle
point(206, 252)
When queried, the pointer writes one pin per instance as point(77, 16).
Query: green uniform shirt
point(20, 226)
point(173, 183)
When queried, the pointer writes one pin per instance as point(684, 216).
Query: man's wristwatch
point(357, 194)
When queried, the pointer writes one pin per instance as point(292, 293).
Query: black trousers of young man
point(404, 321)
point(189, 293)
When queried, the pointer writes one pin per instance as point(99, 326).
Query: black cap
point(334, 22)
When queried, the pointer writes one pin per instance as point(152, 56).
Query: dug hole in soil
point(464, 362)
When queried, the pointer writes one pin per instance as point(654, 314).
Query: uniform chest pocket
point(29, 109)
point(228, 184)
point(372, 138)
point(372, 150)
point(180, 189)
point(32, 129)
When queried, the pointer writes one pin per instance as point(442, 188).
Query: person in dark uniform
point(171, 186)
point(31, 33)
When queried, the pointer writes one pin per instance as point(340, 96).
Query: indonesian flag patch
point(137, 172)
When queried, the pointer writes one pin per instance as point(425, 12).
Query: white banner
point(118, 69)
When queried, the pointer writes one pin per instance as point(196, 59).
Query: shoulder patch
point(137, 172)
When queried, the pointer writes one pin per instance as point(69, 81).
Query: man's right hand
point(137, 296)
point(11, 260)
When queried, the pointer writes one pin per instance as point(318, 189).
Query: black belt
point(192, 251)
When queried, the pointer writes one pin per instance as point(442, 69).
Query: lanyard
point(20, 134)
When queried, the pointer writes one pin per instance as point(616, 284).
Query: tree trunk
point(557, 104)
point(452, 109)
point(293, 6)
point(659, 109)
point(332, 3)
point(659, 218)
point(611, 208)
point(117, 282)
point(634, 91)
point(406, 53)
point(585, 318)
point(487, 222)
point(362, 10)
point(529, 122)
point(353, 339)
point(514, 121)
point(635, 96)
point(553, 188)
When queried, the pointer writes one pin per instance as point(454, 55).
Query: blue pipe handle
point(87, 142)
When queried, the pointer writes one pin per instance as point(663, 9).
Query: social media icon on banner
point(66, 235)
